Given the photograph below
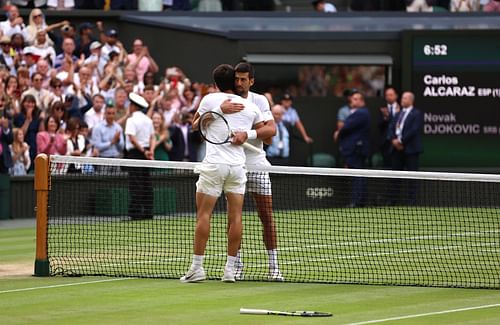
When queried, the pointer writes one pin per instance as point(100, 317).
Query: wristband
point(252, 134)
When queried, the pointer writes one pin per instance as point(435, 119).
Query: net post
point(42, 187)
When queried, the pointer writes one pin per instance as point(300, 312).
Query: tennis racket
point(215, 129)
point(299, 313)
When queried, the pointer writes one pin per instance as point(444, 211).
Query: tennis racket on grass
point(284, 313)
point(215, 129)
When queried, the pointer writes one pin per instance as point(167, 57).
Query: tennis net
point(332, 225)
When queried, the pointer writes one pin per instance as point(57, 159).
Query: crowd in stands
point(329, 6)
point(64, 90)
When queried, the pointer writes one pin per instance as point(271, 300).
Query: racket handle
point(248, 146)
point(253, 311)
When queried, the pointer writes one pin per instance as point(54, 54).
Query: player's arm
point(267, 131)
point(196, 121)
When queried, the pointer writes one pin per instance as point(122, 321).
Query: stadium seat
point(322, 159)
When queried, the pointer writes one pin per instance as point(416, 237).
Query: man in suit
point(386, 116)
point(354, 144)
point(6, 138)
point(184, 141)
point(405, 134)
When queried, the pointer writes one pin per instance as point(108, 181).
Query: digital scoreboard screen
point(455, 76)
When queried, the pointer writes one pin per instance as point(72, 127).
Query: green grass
point(159, 301)
point(379, 245)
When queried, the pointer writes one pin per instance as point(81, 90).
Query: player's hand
point(239, 138)
point(229, 107)
point(308, 139)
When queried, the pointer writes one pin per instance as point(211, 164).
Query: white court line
point(63, 285)
point(426, 314)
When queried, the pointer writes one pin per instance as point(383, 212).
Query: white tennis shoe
point(238, 272)
point(275, 275)
point(228, 276)
point(194, 275)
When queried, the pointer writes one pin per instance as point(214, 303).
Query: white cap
point(95, 45)
point(138, 100)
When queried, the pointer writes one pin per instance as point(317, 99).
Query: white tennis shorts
point(259, 183)
point(215, 178)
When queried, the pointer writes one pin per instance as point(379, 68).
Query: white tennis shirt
point(262, 103)
point(228, 153)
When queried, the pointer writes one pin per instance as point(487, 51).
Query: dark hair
point(83, 125)
point(55, 82)
point(391, 87)
point(245, 67)
point(28, 98)
point(73, 124)
point(46, 122)
point(149, 87)
point(223, 76)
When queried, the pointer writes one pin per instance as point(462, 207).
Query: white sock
point(230, 262)
point(273, 259)
point(239, 259)
point(197, 261)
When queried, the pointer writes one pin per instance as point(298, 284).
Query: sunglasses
point(5, 44)
point(60, 109)
point(36, 16)
point(37, 79)
point(58, 86)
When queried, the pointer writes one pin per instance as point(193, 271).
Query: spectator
point(6, 138)
point(121, 104)
point(75, 143)
point(37, 23)
point(50, 141)
point(58, 111)
point(6, 57)
point(111, 44)
point(163, 144)
point(26, 3)
point(190, 100)
point(29, 121)
point(174, 78)
point(17, 43)
point(56, 91)
point(85, 39)
point(43, 68)
point(323, 6)
point(20, 153)
point(492, 6)
point(30, 60)
point(464, 5)
point(84, 85)
point(184, 141)
point(278, 152)
point(354, 138)
point(42, 96)
point(292, 117)
point(14, 23)
point(344, 111)
point(61, 5)
point(386, 116)
point(68, 47)
point(94, 60)
point(96, 114)
point(107, 136)
point(43, 48)
point(149, 80)
point(419, 5)
point(12, 95)
point(141, 60)
point(23, 78)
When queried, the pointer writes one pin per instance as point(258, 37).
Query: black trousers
point(140, 187)
point(405, 190)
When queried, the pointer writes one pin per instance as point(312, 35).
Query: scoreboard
point(455, 76)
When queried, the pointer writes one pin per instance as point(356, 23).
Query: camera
point(65, 28)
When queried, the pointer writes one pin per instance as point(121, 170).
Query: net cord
point(341, 172)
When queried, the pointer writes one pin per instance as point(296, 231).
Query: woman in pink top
point(50, 141)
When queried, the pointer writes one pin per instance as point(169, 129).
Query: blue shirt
point(103, 134)
point(280, 147)
point(343, 113)
point(291, 116)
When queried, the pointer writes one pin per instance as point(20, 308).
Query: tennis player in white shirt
point(258, 183)
point(223, 169)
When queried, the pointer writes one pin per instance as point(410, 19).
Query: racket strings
point(214, 129)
